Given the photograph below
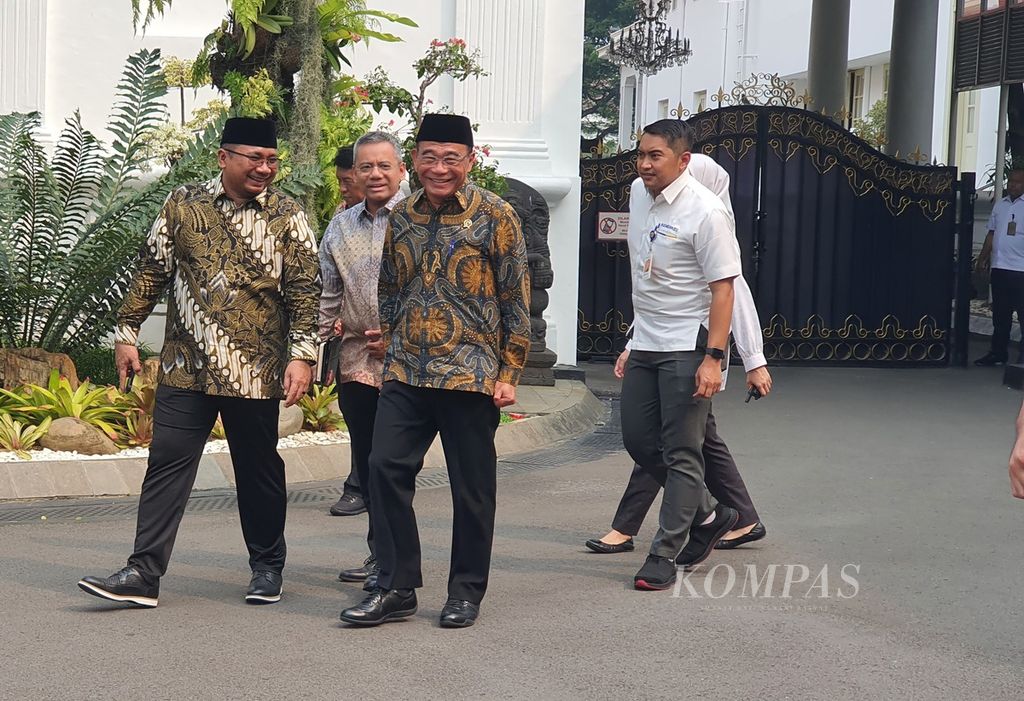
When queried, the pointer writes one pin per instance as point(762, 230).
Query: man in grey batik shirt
point(350, 269)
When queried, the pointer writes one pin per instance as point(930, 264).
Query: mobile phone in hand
point(753, 393)
point(129, 380)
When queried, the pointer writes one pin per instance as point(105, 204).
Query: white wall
point(88, 42)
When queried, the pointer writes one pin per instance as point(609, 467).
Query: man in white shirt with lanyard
point(1004, 252)
point(684, 257)
point(721, 475)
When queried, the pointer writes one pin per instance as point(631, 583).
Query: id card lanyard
point(661, 229)
point(1011, 226)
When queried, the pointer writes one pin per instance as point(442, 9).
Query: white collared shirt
point(1007, 251)
point(690, 238)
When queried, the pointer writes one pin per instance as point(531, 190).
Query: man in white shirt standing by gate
point(684, 257)
point(1004, 252)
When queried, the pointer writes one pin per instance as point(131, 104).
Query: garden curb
point(557, 413)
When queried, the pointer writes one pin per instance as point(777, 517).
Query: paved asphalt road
point(898, 475)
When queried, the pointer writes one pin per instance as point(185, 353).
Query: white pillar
point(22, 55)
point(528, 110)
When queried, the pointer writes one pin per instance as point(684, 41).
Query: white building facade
point(57, 56)
point(732, 39)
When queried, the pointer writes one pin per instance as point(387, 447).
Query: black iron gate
point(849, 253)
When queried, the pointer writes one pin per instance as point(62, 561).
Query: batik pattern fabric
point(455, 293)
point(243, 288)
point(350, 269)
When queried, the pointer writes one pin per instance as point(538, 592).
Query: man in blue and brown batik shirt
point(454, 299)
point(238, 262)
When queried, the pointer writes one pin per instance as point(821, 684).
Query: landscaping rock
point(71, 434)
point(22, 366)
point(290, 420)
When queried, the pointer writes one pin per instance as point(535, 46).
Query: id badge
point(1011, 228)
point(647, 262)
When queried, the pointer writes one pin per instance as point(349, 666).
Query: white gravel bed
point(297, 440)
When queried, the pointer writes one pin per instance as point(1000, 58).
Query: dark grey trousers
point(663, 429)
point(721, 476)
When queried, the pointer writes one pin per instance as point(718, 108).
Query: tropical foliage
point(97, 406)
point(19, 437)
point(316, 408)
point(136, 429)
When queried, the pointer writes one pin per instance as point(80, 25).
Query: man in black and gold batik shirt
point(238, 262)
point(454, 299)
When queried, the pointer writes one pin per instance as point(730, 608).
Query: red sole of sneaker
point(646, 586)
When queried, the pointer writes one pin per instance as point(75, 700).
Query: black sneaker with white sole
point(126, 586)
point(264, 587)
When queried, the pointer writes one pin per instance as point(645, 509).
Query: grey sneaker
point(126, 586)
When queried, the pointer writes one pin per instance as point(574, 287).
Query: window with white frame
point(663, 109)
point(857, 94)
point(972, 111)
point(700, 101)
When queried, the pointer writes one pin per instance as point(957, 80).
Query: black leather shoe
point(990, 359)
point(703, 538)
point(381, 606)
point(349, 505)
point(599, 546)
point(359, 574)
point(127, 586)
point(656, 574)
point(264, 587)
point(756, 533)
point(459, 613)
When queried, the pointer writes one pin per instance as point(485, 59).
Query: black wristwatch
point(716, 353)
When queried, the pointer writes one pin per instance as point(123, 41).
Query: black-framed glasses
point(429, 160)
point(256, 161)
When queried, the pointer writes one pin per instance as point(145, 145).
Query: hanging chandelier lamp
point(648, 45)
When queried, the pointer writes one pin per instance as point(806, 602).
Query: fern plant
point(70, 228)
point(19, 437)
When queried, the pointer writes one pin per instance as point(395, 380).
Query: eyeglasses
point(367, 168)
point(256, 161)
point(429, 160)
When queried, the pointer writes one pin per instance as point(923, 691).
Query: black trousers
point(408, 419)
point(663, 427)
point(358, 404)
point(1007, 298)
point(721, 476)
point(182, 421)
